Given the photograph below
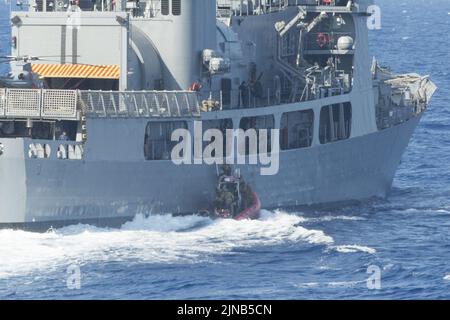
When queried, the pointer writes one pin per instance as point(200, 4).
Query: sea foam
point(153, 239)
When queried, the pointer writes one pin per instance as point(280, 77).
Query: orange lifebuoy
point(322, 39)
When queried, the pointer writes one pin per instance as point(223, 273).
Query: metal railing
point(227, 8)
point(247, 97)
point(38, 103)
point(64, 104)
point(250, 7)
point(2, 102)
point(63, 6)
point(140, 103)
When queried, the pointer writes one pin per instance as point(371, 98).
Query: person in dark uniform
point(243, 94)
point(63, 136)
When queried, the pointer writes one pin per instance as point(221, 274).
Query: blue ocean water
point(316, 255)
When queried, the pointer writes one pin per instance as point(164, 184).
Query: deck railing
point(2, 102)
point(66, 104)
point(140, 103)
point(228, 8)
point(38, 103)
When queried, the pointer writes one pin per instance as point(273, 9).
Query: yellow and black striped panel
point(81, 71)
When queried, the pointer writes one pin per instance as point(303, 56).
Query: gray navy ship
point(97, 87)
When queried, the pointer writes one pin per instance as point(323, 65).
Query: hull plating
point(56, 192)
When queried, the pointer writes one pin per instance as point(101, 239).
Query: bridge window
point(165, 7)
point(176, 7)
point(296, 130)
point(335, 122)
point(257, 123)
point(158, 144)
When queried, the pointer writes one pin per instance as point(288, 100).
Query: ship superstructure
point(97, 88)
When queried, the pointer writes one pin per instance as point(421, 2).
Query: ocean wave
point(353, 249)
point(345, 284)
point(447, 277)
point(332, 284)
point(333, 218)
point(308, 285)
point(154, 239)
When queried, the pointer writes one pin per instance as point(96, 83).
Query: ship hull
point(37, 194)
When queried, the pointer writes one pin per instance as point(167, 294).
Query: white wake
point(155, 239)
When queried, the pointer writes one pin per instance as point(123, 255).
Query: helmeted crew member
point(226, 170)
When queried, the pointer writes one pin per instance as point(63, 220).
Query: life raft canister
point(323, 39)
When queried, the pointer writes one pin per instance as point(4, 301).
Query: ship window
point(257, 123)
point(297, 130)
point(335, 122)
point(176, 7)
point(66, 130)
point(40, 130)
point(165, 7)
point(226, 88)
point(222, 125)
point(158, 144)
